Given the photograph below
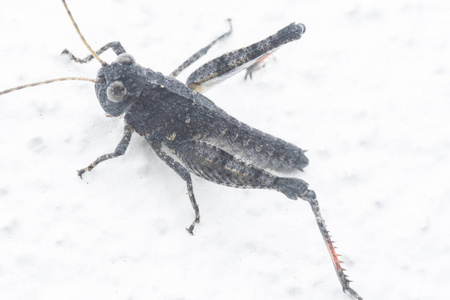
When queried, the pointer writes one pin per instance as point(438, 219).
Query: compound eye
point(125, 59)
point(116, 91)
point(101, 80)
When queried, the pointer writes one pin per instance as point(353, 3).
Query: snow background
point(365, 91)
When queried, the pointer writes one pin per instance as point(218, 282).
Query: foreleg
point(115, 46)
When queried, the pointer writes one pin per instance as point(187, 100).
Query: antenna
point(44, 82)
point(81, 36)
point(62, 78)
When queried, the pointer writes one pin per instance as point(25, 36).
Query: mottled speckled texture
point(202, 138)
point(225, 66)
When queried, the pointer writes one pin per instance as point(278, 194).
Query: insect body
point(189, 132)
point(194, 136)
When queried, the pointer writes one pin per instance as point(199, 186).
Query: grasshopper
point(191, 134)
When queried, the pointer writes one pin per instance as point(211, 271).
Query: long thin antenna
point(81, 36)
point(44, 82)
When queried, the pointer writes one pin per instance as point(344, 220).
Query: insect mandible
point(191, 134)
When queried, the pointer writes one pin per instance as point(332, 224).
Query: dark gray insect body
point(191, 134)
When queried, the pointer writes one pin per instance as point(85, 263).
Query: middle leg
point(184, 174)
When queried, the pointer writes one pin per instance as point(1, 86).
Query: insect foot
point(81, 172)
point(291, 187)
point(190, 229)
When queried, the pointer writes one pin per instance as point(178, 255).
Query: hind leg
point(216, 165)
point(221, 167)
point(230, 63)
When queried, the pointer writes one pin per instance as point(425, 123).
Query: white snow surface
point(366, 91)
